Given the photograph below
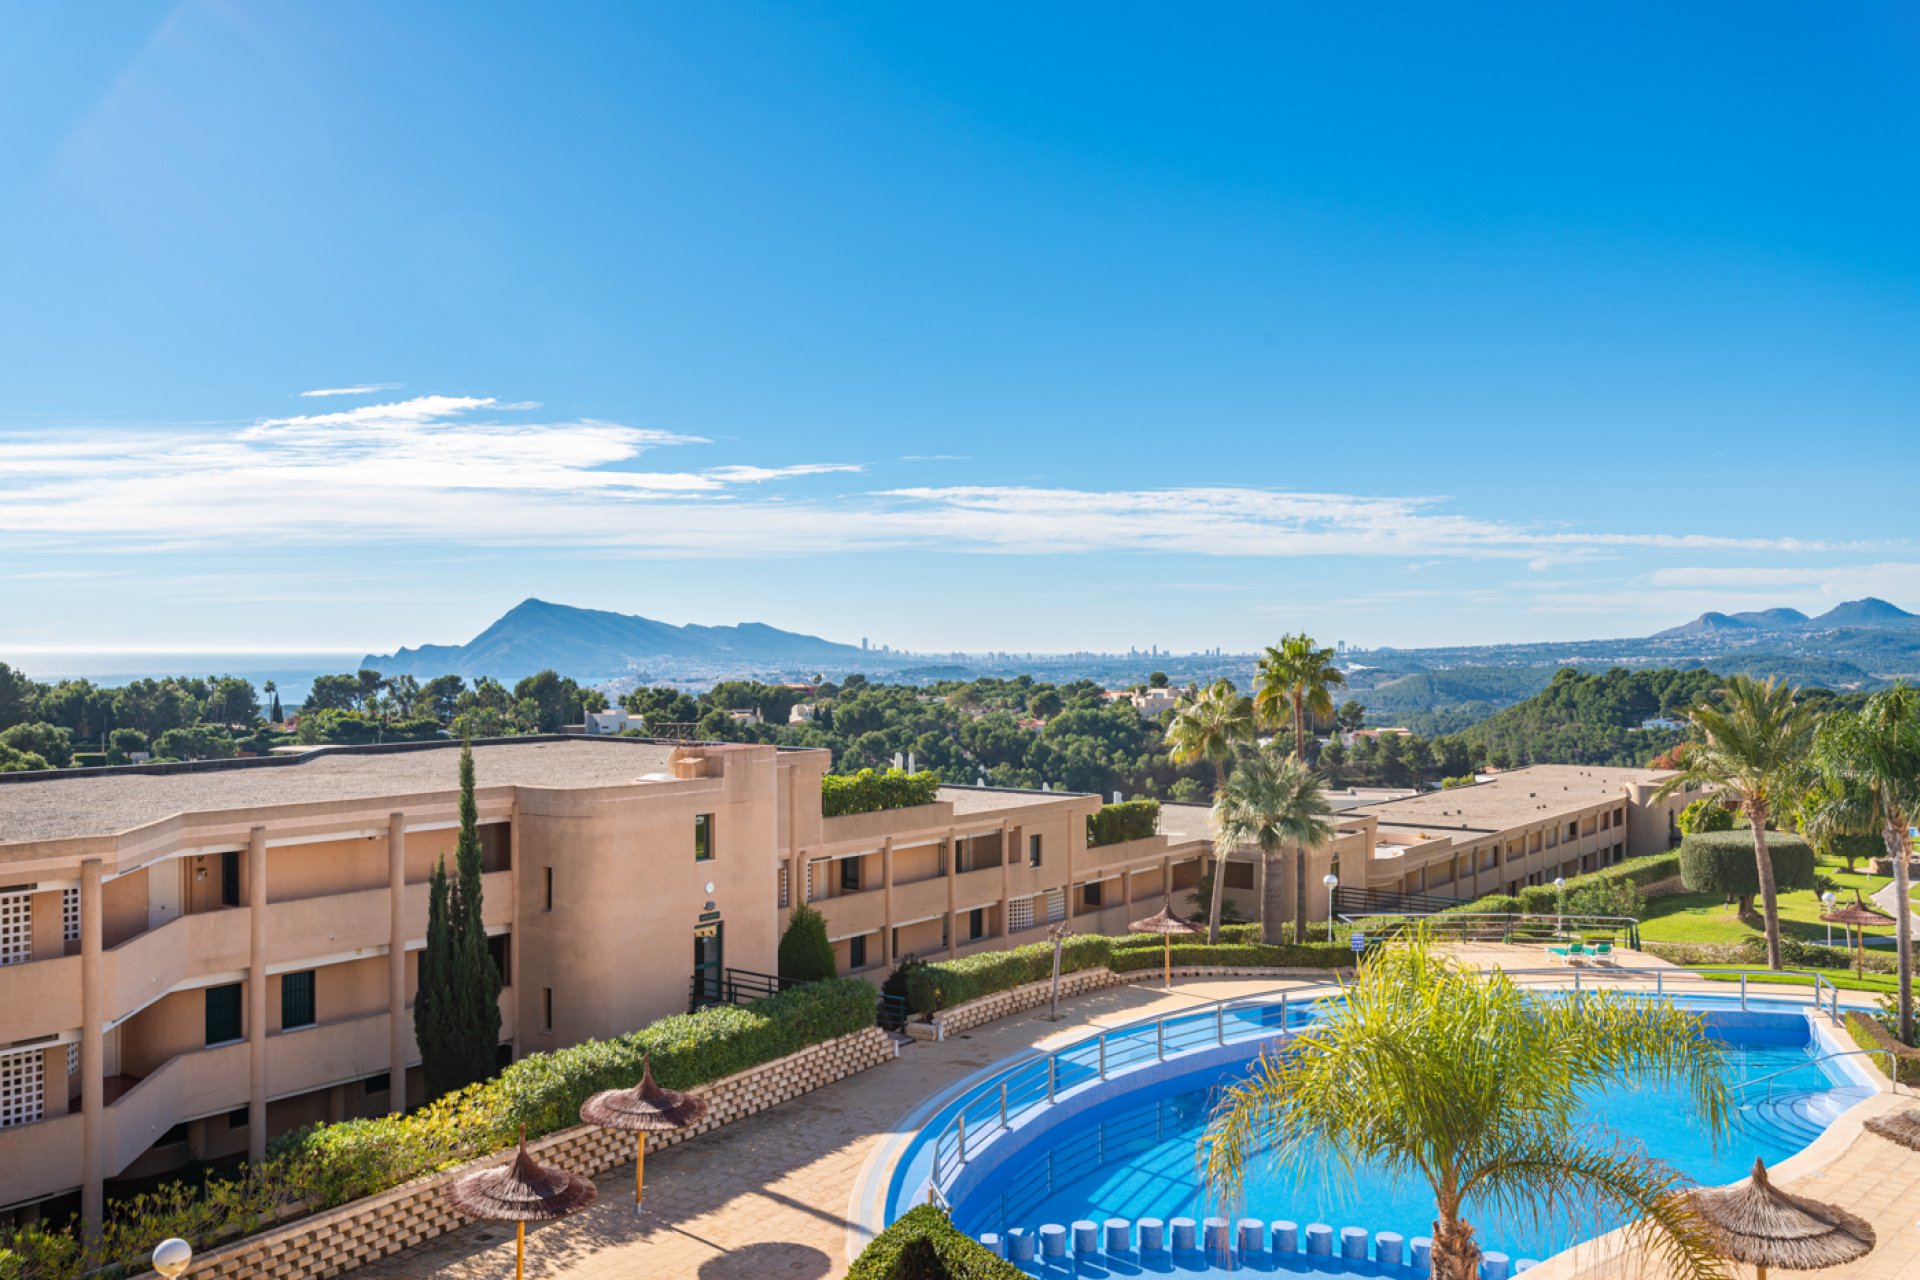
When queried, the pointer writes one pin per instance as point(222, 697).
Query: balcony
point(858, 912)
point(40, 1159)
point(1108, 856)
point(192, 1084)
point(39, 998)
point(920, 899)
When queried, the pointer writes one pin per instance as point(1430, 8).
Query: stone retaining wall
point(341, 1239)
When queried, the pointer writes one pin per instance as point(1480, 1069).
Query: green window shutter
point(296, 1000)
point(223, 1013)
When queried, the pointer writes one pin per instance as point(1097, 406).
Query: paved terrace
point(109, 802)
point(772, 1197)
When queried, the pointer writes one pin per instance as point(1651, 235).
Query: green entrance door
point(709, 968)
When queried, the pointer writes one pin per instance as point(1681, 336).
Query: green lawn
point(1842, 978)
point(1706, 917)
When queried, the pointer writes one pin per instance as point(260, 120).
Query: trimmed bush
point(1539, 899)
point(1702, 816)
point(805, 954)
point(1493, 903)
point(1118, 823)
point(1723, 862)
point(1314, 955)
point(925, 1245)
point(952, 982)
point(870, 791)
point(1639, 872)
point(1849, 849)
point(1867, 1032)
point(1606, 896)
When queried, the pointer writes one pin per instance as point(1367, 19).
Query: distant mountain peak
point(1870, 612)
point(598, 644)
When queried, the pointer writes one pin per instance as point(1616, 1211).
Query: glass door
point(708, 964)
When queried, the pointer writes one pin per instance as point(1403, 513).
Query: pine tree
point(457, 1012)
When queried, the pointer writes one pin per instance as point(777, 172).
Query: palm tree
point(1874, 753)
point(1300, 674)
point(1208, 725)
point(1752, 743)
point(1272, 804)
point(1461, 1078)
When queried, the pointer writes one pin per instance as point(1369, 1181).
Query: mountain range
point(1854, 613)
point(595, 645)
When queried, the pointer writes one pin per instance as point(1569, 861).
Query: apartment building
point(1520, 827)
point(196, 958)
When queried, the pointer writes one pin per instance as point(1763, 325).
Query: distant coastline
point(291, 673)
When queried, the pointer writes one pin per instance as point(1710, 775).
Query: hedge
point(1869, 1034)
point(950, 982)
point(1724, 862)
point(328, 1164)
point(870, 791)
point(1541, 899)
point(1251, 955)
point(1118, 823)
point(925, 1245)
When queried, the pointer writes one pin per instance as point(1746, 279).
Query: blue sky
point(1017, 327)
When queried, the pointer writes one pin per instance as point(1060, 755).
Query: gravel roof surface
point(106, 804)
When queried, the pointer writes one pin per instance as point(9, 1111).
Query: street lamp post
point(1827, 900)
point(172, 1257)
point(1332, 882)
point(1559, 906)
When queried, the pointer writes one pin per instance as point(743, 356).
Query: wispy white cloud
point(360, 389)
point(471, 470)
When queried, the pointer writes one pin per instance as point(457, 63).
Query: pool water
point(1133, 1156)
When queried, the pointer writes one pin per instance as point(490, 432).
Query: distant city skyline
point(1041, 331)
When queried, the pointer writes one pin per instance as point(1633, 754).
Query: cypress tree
point(457, 1012)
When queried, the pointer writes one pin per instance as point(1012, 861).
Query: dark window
point(237, 1118)
point(296, 1000)
point(1090, 895)
point(702, 837)
point(976, 924)
point(549, 889)
point(176, 1134)
point(546, 1008)
point(850, 875)
point(497, 947)
point(223, 1013)
point(230, 878)
point(857, 952)
point(1033, 851)
point(1573, 830)
point(1239, 875)
point(382, 1083)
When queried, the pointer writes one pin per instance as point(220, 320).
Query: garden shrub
point(1723, 862)
point(1868, 1033)
point(1606, 896)
point(1704, 815)
point(870, 791)
point(1852, 849)
point(925, 1245)
point(1539, 899)
point(1118, 823)
point(805, 955)
point(1492, 904)
point(951, 982)
point(1313, 955)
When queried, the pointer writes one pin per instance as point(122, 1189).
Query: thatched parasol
point(1902, 1127)
point(1166, 924)
point(1859, 917)
point(521, 1191)
point(1760, 1224)
point(645, 1108)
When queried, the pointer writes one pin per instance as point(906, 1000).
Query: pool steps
point(1118, 1240)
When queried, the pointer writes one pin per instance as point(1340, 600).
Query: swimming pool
point(1123, 1148)
point(1132, 1155)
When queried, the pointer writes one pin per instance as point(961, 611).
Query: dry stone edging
point(338, 1240)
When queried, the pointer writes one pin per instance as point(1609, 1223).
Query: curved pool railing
point(1035, 1082)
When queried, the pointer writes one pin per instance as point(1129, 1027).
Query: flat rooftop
point(110, 802)
point(987, 799)
point(1514, 798)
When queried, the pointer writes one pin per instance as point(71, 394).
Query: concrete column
point(953, 871)
point(257, 995)
point(398, 1022)
point(886, 903)
point(93, 1016)
point(1006, 872)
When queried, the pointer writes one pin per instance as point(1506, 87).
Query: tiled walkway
point(767, 1198)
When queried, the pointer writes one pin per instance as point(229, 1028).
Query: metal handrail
point(1770, 1077)
point(1511, 921)
point(1009, 1096)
